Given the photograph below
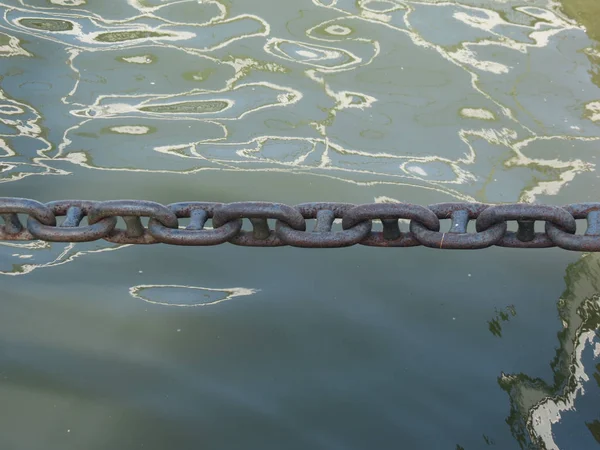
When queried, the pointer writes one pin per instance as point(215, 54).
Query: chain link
point(258, 213)
point(323, 236)
point(357, 221)
point(71, 230)
point(590, 242)
point(389, 214)
point(194, 233)
point(131, 211)
point(457, 237)
point(526, 215)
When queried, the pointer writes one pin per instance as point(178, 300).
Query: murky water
point(132, 347)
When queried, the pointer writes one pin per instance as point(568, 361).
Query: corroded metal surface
point(290, 224)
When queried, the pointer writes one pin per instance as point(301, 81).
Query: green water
point(160, 347)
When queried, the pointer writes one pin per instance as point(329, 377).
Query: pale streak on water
point(210, 296)
point(474, 101)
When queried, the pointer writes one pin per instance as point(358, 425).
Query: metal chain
point(290, 227)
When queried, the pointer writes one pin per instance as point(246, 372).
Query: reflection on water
point(587, 13)
point(360, 85)
point(538, 407)
point(500, 317)
point(185, 296)
point(20, 258)
point(379, 100)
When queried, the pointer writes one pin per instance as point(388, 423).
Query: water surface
point(326, 100)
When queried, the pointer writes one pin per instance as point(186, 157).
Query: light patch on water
point(52, 254)
point(68, 2)
point(504, 137)
point(477, 113)
point(325, 159)
point(591, 51)
point(553, 187)
point(195, 296)
point(131, 129)
point(593, 111)
point(6, 148)
point(76, 157)
point(417, 170)
point(142, 59)
point(379, 6)
point(549, 25)
point(10, 110)
point(348, 99)
point(29, 129)
point(376, 16)
point(10, 46)
point(542, 14)
point(307, 54)
point(567, 170)
point(325, 3)
point(467, 56)
point(287, 98)
point(344, 99)
point(338, 30)
point(491, 20)
point(384, 199)
point(106, 110)
point(325, 58)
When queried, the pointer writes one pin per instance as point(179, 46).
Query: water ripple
point(143, 61)
point(494, 104)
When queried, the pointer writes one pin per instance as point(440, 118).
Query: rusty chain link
point(288, 224)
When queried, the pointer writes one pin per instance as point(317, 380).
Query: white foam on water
point(477, 113)
point(131, 129)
